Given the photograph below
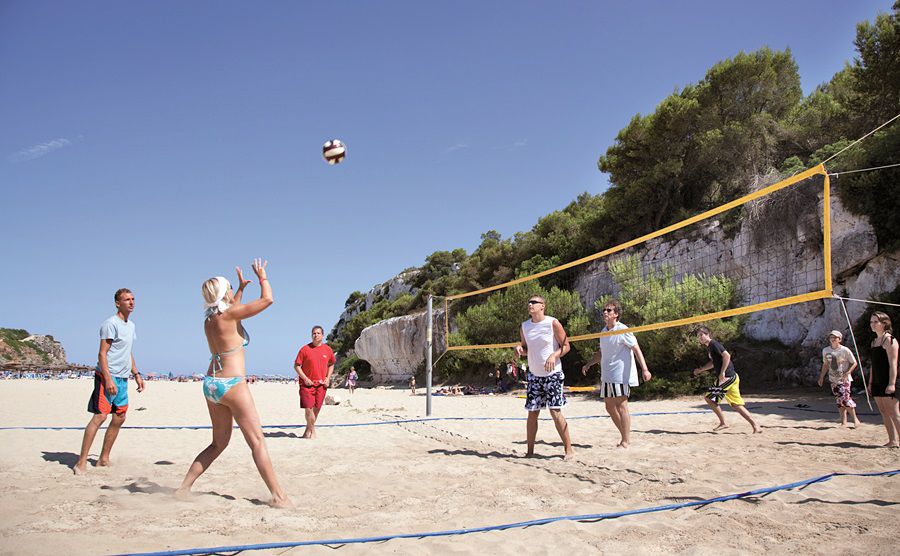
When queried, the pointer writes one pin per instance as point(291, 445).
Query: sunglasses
point(534, 302)
point(608, 310)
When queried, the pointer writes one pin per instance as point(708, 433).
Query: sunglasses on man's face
point(534, 302)
point(609, 310)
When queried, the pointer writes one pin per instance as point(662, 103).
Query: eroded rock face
point(396, 347)
point(390, 290)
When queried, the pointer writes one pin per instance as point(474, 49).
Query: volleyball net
point(767, 249)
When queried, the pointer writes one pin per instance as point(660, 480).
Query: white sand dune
point(360, 481)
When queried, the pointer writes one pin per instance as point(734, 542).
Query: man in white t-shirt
point(545, 341)
point(618, 372)
point(838, 363)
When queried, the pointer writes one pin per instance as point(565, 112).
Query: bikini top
point(216, 358)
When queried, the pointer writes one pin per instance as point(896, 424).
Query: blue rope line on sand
point(517, 525)
point(822, 410)
point(371, 423)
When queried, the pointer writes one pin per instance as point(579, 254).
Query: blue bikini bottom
point(214, 387)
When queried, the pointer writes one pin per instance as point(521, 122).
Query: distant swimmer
point(352, 378)
point(728, 382)
point(228, 397)
point(115, 362)
point(314, 365)
point(544, 340)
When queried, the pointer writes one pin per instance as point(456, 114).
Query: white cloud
point(514, 146)
point(456, 147)
point(37, 151)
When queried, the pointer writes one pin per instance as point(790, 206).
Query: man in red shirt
point(314, 365)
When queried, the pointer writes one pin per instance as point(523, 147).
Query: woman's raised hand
point(241, 282)
point(259, 267)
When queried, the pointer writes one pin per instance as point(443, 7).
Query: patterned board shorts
point(545, 391)
point(841, 392)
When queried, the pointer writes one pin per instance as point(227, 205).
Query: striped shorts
point(614, 390)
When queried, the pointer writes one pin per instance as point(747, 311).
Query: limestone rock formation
point(396, 347)
point(389, 290)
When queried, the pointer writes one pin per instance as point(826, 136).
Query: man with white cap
point(838, 362)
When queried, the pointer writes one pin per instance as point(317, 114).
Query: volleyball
point(334, 151)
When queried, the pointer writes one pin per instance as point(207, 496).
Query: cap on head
point(836, 334)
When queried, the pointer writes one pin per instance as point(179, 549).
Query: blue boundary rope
point(822, 410)
point(517, 525)
point(372, 423)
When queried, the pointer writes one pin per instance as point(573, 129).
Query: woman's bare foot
point(757, 430)
point(721, 426)
point(283, 503)
point(80, 469)
point(182, 494)
point(529, 455)
point(622, 444)
point(103, 463)
point(570, 455)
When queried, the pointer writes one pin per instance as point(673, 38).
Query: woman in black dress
point(883, 375)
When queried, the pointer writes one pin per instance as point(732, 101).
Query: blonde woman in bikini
point(225, 387)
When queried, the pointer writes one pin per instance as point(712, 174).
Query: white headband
point(218, 305)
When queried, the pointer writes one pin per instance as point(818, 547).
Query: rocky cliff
point(396, 347)
point(19, 347)
point(390, 290)
point(793, 260)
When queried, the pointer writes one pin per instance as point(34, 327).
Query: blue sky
point(151, 145)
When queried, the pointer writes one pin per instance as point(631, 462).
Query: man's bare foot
point(843, 425)
point(80, 468)
point(622, 444)
point(570, 455)
point(529, 454)
point(722, 426)
point(757, 430)
point(103, 463)
point(283, 503)
point(856, 424)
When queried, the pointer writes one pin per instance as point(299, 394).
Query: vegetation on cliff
point(12, 338)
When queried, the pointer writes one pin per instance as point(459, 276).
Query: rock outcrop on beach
point(395, 347)
point(19, 347)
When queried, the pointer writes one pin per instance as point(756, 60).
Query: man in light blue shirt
point(115, 362)
point(618, 372)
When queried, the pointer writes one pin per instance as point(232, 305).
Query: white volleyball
point(334, 151)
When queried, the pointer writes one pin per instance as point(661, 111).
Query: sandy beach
point(418, 477)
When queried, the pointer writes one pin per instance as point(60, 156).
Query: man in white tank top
point(545, 341)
